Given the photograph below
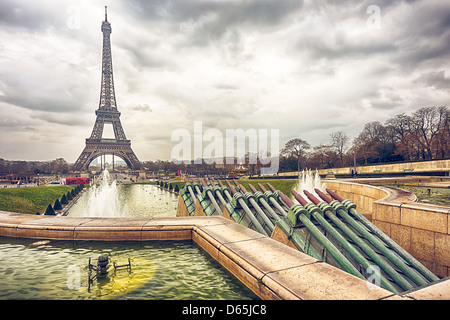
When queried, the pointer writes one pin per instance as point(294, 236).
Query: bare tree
point(339, 141)
point(359, 148)
point(365, 145)
point(321, 157)
point(59, 165)
point(401, 126)
point(428, 122)
point(443, 137)
point(296, 147)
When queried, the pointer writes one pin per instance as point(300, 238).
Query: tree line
point(421, 135)
point(29, 168)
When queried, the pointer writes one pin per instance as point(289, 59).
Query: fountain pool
point(178, 270)
point(161, 270)
point(430, 195)
point(111, 200)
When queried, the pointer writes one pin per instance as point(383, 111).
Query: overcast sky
point(307, 68)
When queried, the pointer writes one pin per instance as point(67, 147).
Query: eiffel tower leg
point(83, 160)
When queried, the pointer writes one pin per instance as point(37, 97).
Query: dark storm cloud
point(342, 48)
point(422, 33)
point(20, 16)
point(146, 56)
point(436, 79)
point(215, 17)
point(43, 86)
point(412, 31)
point(33, 16)
point(231, 12)
point(21, 90)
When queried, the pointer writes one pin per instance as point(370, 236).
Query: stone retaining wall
point(406, 167)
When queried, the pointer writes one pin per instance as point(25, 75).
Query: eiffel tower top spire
point(107, 109)
point(107, 93)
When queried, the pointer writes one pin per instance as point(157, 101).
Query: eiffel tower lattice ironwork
point(107, 113)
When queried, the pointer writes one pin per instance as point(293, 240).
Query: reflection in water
point(147, 200)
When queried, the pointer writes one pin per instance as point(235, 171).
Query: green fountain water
point(160, 271)
point(112, 200)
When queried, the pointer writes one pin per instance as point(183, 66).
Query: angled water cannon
point(188, 197)
point(207, 191)
point(236, 186)
point(189, 188)
point(298, 217)
point(219, 190)
point(381, 239)
point(319, 216)
point(267, 193)
point(226, 191)
point(301, 215)
point(197, 186)
point(201, 195)
point(380, 260)
point(232, 211)
point(215, 186)
point(261, 198)
point(239, 201)
point(376, 242)
point(272, 196)
point(251, 198)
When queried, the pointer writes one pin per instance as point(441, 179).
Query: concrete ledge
point(438, 291)
point(269, 268)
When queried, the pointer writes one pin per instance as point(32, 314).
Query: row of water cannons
point(51, 210)
point(344, 236)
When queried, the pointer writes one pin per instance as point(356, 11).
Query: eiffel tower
point(107, 113)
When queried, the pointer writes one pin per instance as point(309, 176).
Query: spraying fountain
point(309, 181)
point(104, 199)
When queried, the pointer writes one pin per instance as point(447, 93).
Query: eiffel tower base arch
point(98, 147)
